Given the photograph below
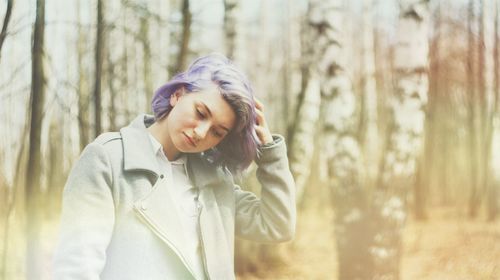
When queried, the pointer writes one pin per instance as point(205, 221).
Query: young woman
point(157, 199)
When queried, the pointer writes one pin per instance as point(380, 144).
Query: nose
point(201, 130)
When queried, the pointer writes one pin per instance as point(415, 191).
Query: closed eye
point(217, 134)
point(200, 114)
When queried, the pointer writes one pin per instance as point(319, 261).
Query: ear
point(174, 98)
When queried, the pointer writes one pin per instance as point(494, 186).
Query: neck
point(160, 133)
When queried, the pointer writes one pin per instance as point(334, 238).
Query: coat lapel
point(138, 151)
point(156, 208)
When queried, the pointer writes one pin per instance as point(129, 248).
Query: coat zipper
point(200, 236)
point(162, 237)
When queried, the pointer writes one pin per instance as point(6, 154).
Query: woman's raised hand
point(261, 127)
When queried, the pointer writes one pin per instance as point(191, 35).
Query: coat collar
point(139, 154)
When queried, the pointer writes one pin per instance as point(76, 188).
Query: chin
point(184, 147)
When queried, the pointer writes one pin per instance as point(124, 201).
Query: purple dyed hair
point(239, 148)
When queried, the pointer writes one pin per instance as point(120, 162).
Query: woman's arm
point(271, 218)
point(88, 216)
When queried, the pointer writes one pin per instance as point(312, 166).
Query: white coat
point(117, 223)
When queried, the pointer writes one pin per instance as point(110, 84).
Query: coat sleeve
point(87, 217)
point(271, 218)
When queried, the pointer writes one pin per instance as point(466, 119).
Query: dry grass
point(446, 246)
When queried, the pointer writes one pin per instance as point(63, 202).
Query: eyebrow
point(210, 113)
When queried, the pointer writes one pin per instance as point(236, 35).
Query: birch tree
point(230, 21)
point(235, 33)
point(427, 162)
point(404, 138)
point(369, 87)
point(341, 147)
point(292, 63)
point(33, 170)
point(306, 116)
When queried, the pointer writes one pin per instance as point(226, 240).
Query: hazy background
point(390, 110)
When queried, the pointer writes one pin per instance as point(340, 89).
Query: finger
point(258, 104)
point(259, 117)
point(260, 131)
point(263, 134)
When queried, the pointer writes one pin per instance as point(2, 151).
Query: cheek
point(188, 123)
point(183, 121)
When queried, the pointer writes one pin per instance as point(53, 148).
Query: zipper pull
point(199, 207)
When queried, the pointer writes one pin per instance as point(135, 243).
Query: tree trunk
point(369, 129)
point(83, 86)
point(304, 122)
point(404, 138)
point(482, 111)
point(99, 51)
point(488, 82)
point(113, 94)
point(230, 21)
point(341, 146)
point(488, 98)
point(162, 31)
point(6, 20)
point(291, 67)
point(473, 112)
point(427, 164)
point(301, 151)
point(33, 171)
point(124, 67)
point(7, 194)
point(186, 35)
point(56, 174)
point(146, 58)
point(494, 186)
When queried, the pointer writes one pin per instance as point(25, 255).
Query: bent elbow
point(287, 238)
point(287, 234)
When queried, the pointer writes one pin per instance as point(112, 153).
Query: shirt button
point(161, 176)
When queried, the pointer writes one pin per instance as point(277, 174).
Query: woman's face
point(198, 121)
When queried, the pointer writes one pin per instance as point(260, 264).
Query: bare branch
point(6, 20)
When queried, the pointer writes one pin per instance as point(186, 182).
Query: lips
point(190, 140)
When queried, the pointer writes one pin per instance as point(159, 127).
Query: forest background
point(390, 109)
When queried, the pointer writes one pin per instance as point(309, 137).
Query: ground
point(446, 246)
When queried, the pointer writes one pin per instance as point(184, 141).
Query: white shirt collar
point(158, 149)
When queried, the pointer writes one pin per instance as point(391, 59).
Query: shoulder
point(108, 145)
